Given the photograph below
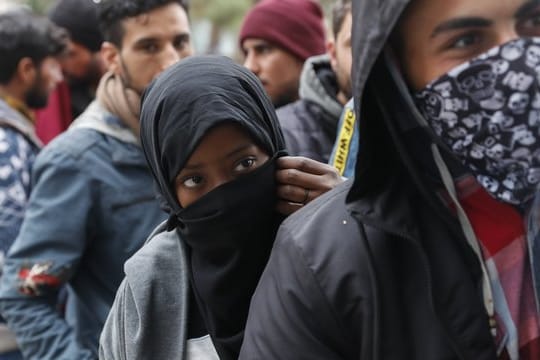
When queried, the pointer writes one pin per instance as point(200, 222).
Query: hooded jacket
point(209, 257)
point(379, 268)
point(310, 124)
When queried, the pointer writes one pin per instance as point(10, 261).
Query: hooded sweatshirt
point(379, 268)
point(225, 236)
point(310, 124)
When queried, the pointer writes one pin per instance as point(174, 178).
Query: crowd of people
point(363, 186)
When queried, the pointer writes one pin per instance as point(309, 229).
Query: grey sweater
point(310, 124)
point(149, 315)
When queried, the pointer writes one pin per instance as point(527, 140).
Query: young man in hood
point(309, 124)
point(276, 37)
point(93, 203)
point(29, 70)
point(432, 251)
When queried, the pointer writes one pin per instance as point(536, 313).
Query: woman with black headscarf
point(214, 146)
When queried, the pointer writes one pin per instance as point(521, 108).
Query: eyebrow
point(526, 8)
point(146, 40)
point(228, 155)
point(461, 23)
point(153, 39)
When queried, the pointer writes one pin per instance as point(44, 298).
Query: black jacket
point(309, 125)
point(378, 268)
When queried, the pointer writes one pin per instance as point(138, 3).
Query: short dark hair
point(112, 12)
point(23, 34)
point(340, 9)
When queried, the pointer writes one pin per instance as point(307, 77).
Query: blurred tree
point(225, 16)
point(39, 6)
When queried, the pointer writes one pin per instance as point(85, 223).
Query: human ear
point(26, 70)
point(111, 56)
point(331, 51)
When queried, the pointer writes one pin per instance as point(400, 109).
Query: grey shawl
point(149, 315)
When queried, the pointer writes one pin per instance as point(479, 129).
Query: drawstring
point(487, 291)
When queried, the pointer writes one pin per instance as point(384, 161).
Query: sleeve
point(16, 157)
point(290, 316)
point(112, 342)
point(44, 257)
point(286, 117)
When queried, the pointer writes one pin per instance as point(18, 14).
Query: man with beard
point(82, 67)
point(29, 71)
point(276, 37)
point(309, 124)
point(433, 251)
point(93, 203)
point(82, 64)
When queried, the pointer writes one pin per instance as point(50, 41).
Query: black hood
point(394, 138)
point(189, 98)
point(373, 22)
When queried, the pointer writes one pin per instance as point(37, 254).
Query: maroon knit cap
point(294, 25)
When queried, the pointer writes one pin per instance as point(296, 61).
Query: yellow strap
point(344, 141)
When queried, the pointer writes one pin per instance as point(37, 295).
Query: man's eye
point(180, 44)
point(263, 50)
point(150, 48)
point(192, 181)
point(530, 26)
point(245, 164)
point(464, 41)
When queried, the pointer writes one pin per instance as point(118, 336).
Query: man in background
point(309, 124)
point(93, 203)
point(81, 64)
point(29, 71)
point(276, 37)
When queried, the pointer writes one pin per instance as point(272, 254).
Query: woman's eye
point(192, 181)
point(245, 164)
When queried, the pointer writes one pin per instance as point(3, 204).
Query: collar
point(19, 106)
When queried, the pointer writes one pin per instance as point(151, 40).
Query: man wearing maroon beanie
point(277, 36)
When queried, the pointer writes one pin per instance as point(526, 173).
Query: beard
point(286, 97)
point(127, 78)
point(37, 97)
point(90, 79)
point(344, 82)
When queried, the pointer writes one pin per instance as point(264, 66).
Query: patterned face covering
point(487, 111)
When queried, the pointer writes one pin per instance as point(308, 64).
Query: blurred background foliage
point(215, 23)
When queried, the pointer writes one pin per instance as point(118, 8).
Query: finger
point(302, 179)
point(295, 194)
point(304, 164)
point(287, 208)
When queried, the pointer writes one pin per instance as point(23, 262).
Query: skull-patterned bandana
point(488, 113)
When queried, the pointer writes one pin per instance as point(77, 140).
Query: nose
point(507, 34)
point(252, 63)
point(56, 74)
point(219, 180)
point(170, 56)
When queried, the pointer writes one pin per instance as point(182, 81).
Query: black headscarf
point(229, 231)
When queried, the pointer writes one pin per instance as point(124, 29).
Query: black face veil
point(229, 231)
point(193, 96)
